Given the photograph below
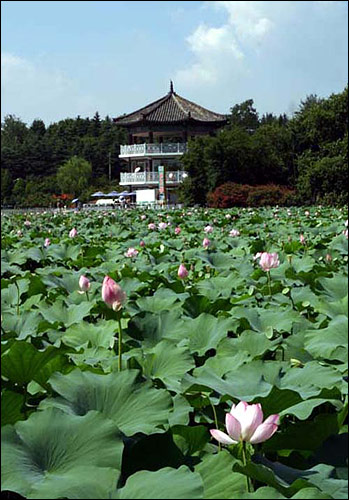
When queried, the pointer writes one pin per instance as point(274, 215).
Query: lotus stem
point(215, 419)
point(120, 346)
point(18, 297)
point(269, 282)
point(243, 449)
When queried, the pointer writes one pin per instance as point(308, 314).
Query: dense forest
point(305, 156)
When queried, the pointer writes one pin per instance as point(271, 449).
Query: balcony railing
point(147, 178)
point(164, 148)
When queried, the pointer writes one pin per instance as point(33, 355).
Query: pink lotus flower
point(346, 223)
point(162, 225)
point(228, 216)
point(245, 423)
point(19, 233)
point(345, 232)
point(27, 223)
point(112, 294)
point(143, 217)
point(47, 242)
point(151, 226)
point(84, 283)
point(73, 232)
point(131, 252)
point(206, 242)
point(328, 257)
point(142, 243)
point(177, 230)
point(208, 229)
point(302, 239)
point(182, 271)
point(307, 213)
point(268, 261)
point(234, 232)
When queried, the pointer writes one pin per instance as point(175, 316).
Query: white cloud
point(219, 50)
point(246, 19)
point(32, 89)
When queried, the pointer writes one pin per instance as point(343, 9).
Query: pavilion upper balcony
point(151, 178)
point(153, 149)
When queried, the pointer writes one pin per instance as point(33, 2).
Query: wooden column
point(150, 137)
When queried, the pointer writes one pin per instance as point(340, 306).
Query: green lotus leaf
point(163, 299)
point(331, 342)
point(24, 326)
point(84, 481)
point(59, 313)
point(23, 362)
point(151, 328)
point(190, 440)
point(167, 362)
point(336, 288)
point(218, 477)
point(38, 453)
point(134, 406)
point(101, 334)
point(205, 332)
point(11, 407)
point(164, 484)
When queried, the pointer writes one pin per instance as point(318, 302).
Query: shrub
point(270, 194)
point(242, 195)
point(228, 195)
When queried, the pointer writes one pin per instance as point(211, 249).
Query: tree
point(13, 131)
point(6, 186)
point(74, 175)
point(195, 162)
point(38, 128)
point(244, 115)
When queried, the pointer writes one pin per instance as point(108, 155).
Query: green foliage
point(308, 152)
point(244, 115)
point(37, 152)
point(74, 426)
point(74, 175)
point(321, 179)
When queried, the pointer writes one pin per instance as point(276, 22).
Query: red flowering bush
point(242, 195)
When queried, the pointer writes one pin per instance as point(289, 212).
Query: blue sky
point(66, 58)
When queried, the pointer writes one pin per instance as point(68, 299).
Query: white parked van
point(105, 201)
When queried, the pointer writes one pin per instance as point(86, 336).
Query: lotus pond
point(118, 402)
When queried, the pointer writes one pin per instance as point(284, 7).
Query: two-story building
point(157, 136)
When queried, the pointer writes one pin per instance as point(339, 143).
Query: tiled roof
point(171, 108)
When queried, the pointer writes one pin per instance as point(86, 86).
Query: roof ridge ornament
point(171, 87)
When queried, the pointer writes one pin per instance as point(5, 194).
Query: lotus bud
point(206, 242)
point(268, 261)
point(131, 252)
point(182, 271)
point(112, 294)
point(84, 283)
point(234, 232)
